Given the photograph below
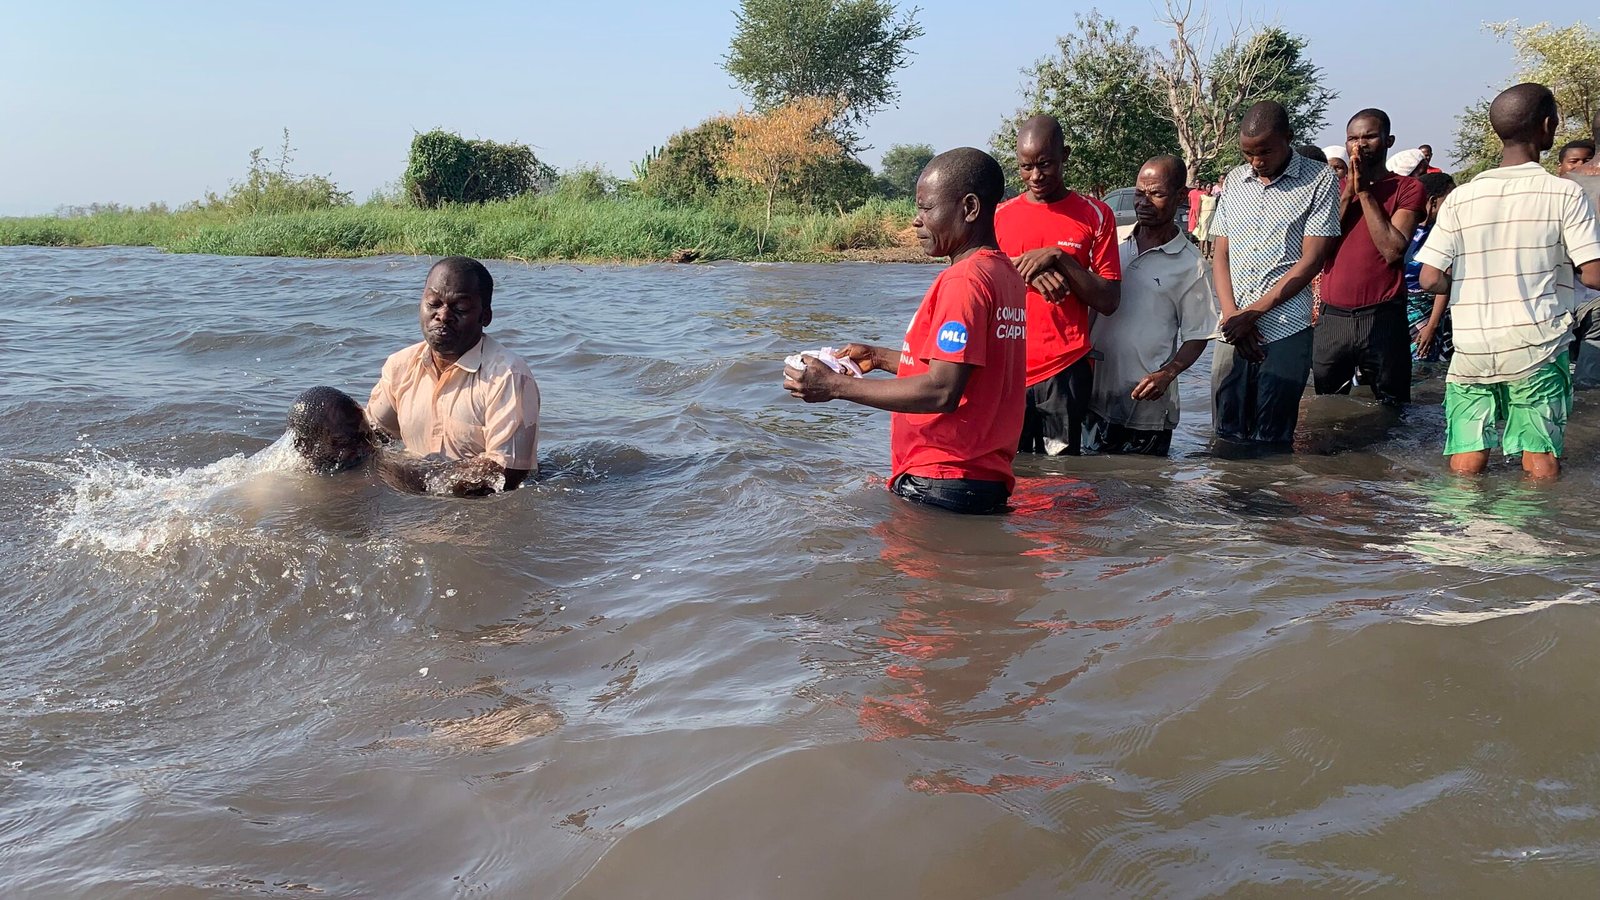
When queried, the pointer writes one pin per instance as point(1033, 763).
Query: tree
point(1562, 59)
point(1100, 88)
point(783, 50)
point(1288, 77)
point(772, 150)
point(902, 165)
point(1207, 82)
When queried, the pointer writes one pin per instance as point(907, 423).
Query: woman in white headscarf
point(1338, 160)
point(1408, 162)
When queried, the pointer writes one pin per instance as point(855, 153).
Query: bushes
point(689, 167)
point(557, 225)
point(270, 187)
point(444, 168)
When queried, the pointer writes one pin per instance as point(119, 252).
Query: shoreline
point(535, 229)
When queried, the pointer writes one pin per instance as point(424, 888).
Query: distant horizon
point(164, 104)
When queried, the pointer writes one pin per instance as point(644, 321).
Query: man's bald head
point(1267, 118)
point(967, 170)
point(466, 274)
point(1522, 112)
point(1041, 132)
point(1170, 169)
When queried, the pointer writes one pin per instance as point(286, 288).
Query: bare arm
point(476, 477)
point(1103, 295)
point(1436, 282)
point(939, 391)
point(1390, 236)
point(1589, 274)
point(1152, 386)
point(871, 358)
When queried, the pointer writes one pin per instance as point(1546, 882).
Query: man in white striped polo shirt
point(1505, 249)
point(1277, 220)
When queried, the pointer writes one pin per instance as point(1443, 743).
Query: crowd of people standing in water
point(1048, 333)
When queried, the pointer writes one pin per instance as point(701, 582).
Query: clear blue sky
point(136, 102)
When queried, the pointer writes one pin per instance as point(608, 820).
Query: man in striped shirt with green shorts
point(1506, 249)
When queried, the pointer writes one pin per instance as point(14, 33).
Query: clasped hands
point(1046, 269)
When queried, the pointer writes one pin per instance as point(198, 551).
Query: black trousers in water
point(962, 495)
point(1053, 421)
point(1260, 402)
point(1374, 341)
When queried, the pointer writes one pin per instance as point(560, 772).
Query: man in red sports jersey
point(958, 394)
point(1065, 246)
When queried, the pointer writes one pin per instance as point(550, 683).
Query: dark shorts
point(1260, 402)
point(1372, 343)
point(962, 495)
point(1108, 437)
point(1053, 422)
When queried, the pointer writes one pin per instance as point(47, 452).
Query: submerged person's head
point(456, 306)
point(1574, 154)
point(956, 197)
point(329, 430)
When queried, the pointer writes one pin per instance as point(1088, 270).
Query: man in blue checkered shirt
point(1277, 219)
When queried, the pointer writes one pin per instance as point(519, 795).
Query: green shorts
point(1534, 410)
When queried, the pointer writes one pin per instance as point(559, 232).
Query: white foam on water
point(1453, 617)
point(121, 507)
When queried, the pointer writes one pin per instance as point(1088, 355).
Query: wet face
point(1155, 198)
point(1573, 158)
point(1039, 162)
point(1367, 143)
point(338, 439)
point(944, 217)
point(1268, 154)
point(453, 313)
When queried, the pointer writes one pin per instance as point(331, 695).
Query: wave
point(122, 507)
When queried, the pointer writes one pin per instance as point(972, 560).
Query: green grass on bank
point(550, 227)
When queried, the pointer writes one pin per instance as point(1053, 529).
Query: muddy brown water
point(711, 656)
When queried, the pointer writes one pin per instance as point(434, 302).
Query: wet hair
point(314, 415)
point(1041, 127)
point(470, 270)
point(1519, 111)
point(1377, 115)
point(1177, 173)
point(1436, 184)
point(968, 170)
point(1312, 151)
point(1579, 144)
point(1264, 118)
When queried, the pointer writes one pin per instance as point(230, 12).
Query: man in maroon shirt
point(1363, 328)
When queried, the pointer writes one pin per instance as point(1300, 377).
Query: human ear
point(971, 207)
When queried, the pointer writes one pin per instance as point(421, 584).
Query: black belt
point(1329, 309)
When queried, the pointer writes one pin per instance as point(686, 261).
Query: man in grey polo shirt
point(1277, 219)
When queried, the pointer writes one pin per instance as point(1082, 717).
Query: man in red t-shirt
point(1065, 246)
point(1363, 329)
point(958, 394)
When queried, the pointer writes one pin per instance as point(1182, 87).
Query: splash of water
point(121, 507)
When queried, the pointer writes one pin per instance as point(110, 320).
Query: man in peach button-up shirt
point(458, 394)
